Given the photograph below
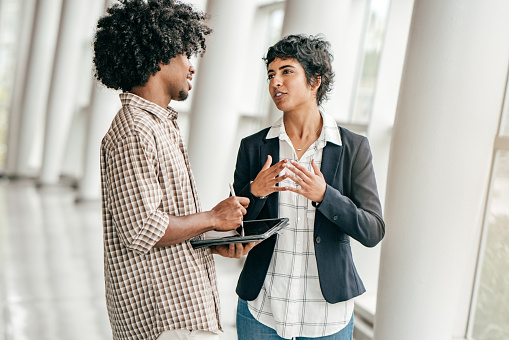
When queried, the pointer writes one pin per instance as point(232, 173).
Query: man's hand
point(266, 181)
point(227, 214)
point(233, 250)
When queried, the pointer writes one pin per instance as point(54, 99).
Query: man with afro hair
point(157, 285)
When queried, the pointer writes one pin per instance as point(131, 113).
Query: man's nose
point(192, 70)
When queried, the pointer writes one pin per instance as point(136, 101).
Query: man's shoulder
point(128, 122)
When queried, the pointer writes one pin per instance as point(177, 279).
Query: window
point(364, 93)
point(490, 307)
point(8, 43)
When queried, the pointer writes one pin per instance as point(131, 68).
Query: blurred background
point(424, 80)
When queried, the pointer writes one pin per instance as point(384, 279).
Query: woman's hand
point(265, 182)
point(312, 184)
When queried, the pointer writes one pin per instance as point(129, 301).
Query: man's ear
point(316, 81)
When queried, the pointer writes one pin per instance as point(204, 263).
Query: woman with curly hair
point(157, 285)
point(300, 283)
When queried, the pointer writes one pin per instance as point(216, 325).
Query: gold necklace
point(309, 140)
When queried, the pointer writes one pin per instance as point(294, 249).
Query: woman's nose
point(275, 81)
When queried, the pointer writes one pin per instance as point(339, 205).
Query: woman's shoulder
point(350, 137)
point(257, 136)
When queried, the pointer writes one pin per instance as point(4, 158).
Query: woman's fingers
point(299, 171)
point(267, 163)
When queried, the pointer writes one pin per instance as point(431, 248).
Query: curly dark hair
point(134, 36)
point(312, 52)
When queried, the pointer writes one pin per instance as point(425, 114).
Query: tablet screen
point(255, 230)
point(258, 227)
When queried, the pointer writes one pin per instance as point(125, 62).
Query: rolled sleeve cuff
point(151, 232)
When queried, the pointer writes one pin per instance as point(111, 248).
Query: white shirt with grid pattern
point(145, 177)
point(291, 301)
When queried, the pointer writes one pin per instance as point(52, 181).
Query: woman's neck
point(302, 124)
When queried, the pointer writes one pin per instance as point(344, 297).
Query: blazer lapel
point(270, 147)
point(330, 161)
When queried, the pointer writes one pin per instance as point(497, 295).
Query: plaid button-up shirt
point(146, 177)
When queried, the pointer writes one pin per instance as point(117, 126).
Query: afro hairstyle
point(312, 52)
point(134, 36)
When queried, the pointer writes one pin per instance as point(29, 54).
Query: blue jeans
point(248, 328)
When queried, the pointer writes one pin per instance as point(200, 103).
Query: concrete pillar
point(104, 105)
point(62, 96)
point(217, 94)
point(331, 18)
point(451, 96)
point(25, 24)
point(35, 99)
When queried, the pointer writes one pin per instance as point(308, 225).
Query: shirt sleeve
point(134, 196)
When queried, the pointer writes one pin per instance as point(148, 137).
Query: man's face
point(177, 76)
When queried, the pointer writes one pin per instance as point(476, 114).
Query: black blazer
point(350, 208)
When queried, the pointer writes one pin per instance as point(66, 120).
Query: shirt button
point(298, 218)
point(335, 217)
point(318, 239)
point(298, 242)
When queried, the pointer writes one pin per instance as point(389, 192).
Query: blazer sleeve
point(359, 214)
point(246, 170)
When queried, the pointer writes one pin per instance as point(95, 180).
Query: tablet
point(254, 230)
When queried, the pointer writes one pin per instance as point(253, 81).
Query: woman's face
point(288, 85)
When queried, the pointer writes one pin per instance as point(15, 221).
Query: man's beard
point(183, 95)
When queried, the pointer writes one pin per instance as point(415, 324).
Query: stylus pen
point(232, 192)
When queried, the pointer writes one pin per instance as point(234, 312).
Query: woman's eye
point(287, 71)
point(270, 76)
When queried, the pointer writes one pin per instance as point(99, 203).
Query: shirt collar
point(127, 98)
point(330, 132)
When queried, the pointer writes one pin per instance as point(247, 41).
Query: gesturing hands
point(312, 184)
point(265, 182)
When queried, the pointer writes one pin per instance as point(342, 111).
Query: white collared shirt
point(291, 301)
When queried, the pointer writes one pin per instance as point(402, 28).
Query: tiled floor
point(51, 267)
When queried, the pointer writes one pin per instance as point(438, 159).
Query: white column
point(62, 96)
point(104, 105)
point(450, 101)
point(367, 260)
point(35, 99)
point(72, 163)
point(329, 17)
point(387, 88)
point(215, 108)
point(25, 23)
point(348, 71)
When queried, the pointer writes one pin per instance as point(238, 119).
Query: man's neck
point(152, 94)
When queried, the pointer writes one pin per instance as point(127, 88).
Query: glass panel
point(504, 127)
point(8, 34)
point(492, 306)
point(373, 45)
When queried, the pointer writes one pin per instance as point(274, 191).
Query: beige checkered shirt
point(145, 176)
